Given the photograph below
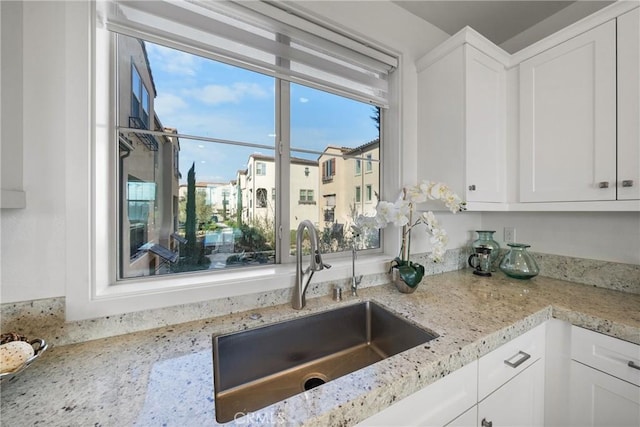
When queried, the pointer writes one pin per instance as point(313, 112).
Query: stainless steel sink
point(258, 367)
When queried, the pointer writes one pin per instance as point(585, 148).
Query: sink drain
point(313, 380)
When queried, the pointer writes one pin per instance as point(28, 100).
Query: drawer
point(508, 360)
point(435, 405)
point(607, 354)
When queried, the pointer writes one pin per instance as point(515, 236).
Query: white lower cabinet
point(466, 419)
point(435, 405)
point(604, 384)
point(519, 402)
point(554, 375)
point(599, 399)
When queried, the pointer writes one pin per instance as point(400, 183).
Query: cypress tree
point(190, 223)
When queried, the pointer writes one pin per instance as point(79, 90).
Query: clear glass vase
point(518, 262)
point(485, 239)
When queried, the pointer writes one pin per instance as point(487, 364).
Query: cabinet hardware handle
point(472, 187)
point(520, 361)
point(485, 423)
point(627, 183)
point(603, 184)
point(633, 365)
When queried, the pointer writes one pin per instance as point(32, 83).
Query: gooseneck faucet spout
point(303, 277)
point(355, 280)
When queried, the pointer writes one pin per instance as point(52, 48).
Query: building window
point(140, 104)
point(306, 197)
point(358, 194)
point(329, 214)
point(358, 166)
point(369, 194)
point(369, 163)
point(328, 169)
point(261, 197)
point(261, 168)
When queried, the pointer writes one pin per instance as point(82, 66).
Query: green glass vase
point(518, 262)
point(485, 239)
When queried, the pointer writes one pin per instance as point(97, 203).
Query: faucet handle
point(326, 265)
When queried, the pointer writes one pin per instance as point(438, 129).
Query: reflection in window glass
point(191, 205)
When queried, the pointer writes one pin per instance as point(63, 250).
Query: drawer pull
point(485, 423)
point(524, 357)
point(633, 365)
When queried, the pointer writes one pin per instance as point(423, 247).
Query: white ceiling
point(501, 20)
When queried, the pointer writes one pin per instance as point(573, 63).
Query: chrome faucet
point(355, 280)
point(304, 277)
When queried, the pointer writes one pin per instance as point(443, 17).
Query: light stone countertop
point(163, 377)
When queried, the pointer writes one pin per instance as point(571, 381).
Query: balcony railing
point(147, 140)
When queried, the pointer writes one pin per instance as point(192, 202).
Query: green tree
point(376, 117)
point(191, 220)
point(204, 211)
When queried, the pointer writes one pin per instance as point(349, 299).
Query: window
point(261, 197)
point(369, 163)
point(306, 197)
point(214, 118)
point(358, 195)
point(329, 215)
point(140, 105)
point(328, 169)
point(369, 193)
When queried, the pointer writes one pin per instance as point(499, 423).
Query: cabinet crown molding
point(600, 17)
point(472, 37)
point(469, 36)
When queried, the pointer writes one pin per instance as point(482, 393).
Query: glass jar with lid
point(485, 240)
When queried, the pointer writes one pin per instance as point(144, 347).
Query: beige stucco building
point(258, 190)
point(349, 182)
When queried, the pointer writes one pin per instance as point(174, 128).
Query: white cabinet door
point(467, 419)
point(599, 399)
point(629, 105)
point(434, 405)
point(519, 402)
point(461, 124)
point(568, 120)
point(485, 127)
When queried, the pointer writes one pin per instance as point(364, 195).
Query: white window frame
point(91, 290)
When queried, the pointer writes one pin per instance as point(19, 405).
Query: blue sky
point(207, 98)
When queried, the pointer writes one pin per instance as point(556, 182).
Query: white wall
point(33, 239)
point(607, 236)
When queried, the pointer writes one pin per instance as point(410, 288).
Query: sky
point(198, 96)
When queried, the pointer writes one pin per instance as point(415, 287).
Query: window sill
point(159, 292)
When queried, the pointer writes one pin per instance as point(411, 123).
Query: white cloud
point(218, 94)
point(304, 100)
point(174, 61)
point(167, 104)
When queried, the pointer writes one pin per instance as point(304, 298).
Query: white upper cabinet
point(568, 120)
point(629, 105)
point(461, 122)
